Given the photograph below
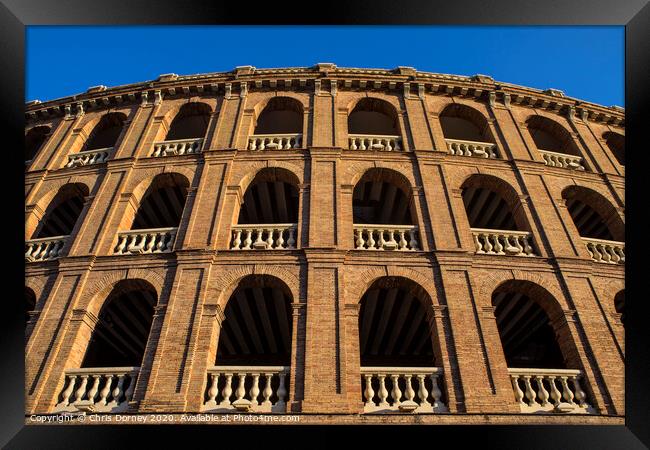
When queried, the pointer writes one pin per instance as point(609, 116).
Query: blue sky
point(584, 62)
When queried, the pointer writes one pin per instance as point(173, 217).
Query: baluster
point(353, 143)
point(258, 242)
point(541, 390)
point(28, 253)
point(269, 239)
point(555, 394)
point(450, 147)
point(240, 392)
point(181, 149)
point(566, 391)
point(368, 392)
point(267, 390)
point(435, 390)
point(133, 244)
point(359, 239)
point(410, 393)
point(298, 143)
point(117, 392)
point(391, 241)
point(279, 243)
point(621, 253)
point(382, 242)
point(597, 256)
point(527, 249)
point(237, 241)
point(255, 389)
point(589, 249)
point(396, 144)
point(121, 244)
point(160, 247)
point(170, 242)
point(227, 391)
point(531, 395)
point(498, 248)
point(413, 244)
point(396, 394)
point(288, 145)
point(371, 240)
point(487, 244)
point(151, 241)
point(248, 241)
point(79, 393)
point(262, 143)
point(103, 395)
point(291, 242)
point(402, 241)
point(67, 392)
point(606, 252)
point(95, 387)
point(383, 393)
point(615, 257)
point(282, 391)
point(423, 393)
point(387, 145)
point(56, 250)
point(477, 243)
point(41, 251)
point(128, 394)
point(213, 390)
point(252, 144)
point(362, 142)
point(580, 394)
point(519, 395)
point(468, 152)
point(603, 250)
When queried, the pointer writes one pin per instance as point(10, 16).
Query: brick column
point(323, 192)
point(297, 371)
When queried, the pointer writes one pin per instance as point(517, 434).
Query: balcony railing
point(503, 242)
point(274, 236)
point(274, 141)
point(227, 389)
point(368, 142)
point(544, 390)
point(405, 389)
point(472, 148)
point(611, 252)
point(553, 159)
point(98, 389)
point(89, 157)
point(177, 147)
point(44, 249)
point(385, 237)
point(155, 240)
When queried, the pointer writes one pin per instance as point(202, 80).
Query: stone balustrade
point(274, 141)
point(405, 389)
point(177, 147)
point(367, 142)
point(44, 249)
point(274, 236)
point(544, 390)
point(385, 237)
point(97, 389)
point(472, 148)
point(89, 157)
point(155, 240)
point(611, 252)
point(553, 159)
point(247, 389)
point(503, 242)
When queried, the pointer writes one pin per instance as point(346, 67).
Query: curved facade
point(362, 245)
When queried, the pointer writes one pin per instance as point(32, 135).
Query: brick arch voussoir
point(245, 175)
point(492, 281)
point(354, 172)
point(261, 104)
point(369, 276)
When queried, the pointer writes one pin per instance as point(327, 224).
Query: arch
point(462, 122)
point(162, 204)
point(616, 143)
point(383, 196)
point(190, 121)
point(278, 115)
point(106, 131)
point(63, 210)
point(34, 140)
point(373, 116)
point(272, 196)
point(485, 196)
point(120, 336)
point(552, 136)
point(593, 214)
point(619, 304)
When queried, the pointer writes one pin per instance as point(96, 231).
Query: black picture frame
point(634, 15)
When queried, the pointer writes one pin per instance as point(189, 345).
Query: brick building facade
point(348, 245)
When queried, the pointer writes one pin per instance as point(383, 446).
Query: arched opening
point(555, 143)
point(281, 115)
point(396, 345)
point(106, 132)
point(496, 217)
point(541, 357)
point(268, 216)
point(616, 143)
point(461, 122)
point(163, 203)
point(593, 215)
point(63, 211)
point(383, 212)
point(30, 302)
point(34, 140)
point(124, 322)
point(191, 122)
point(253, 358)
point(619, 304)
point(372, 116)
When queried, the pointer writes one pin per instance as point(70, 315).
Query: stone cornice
point(404, 80)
